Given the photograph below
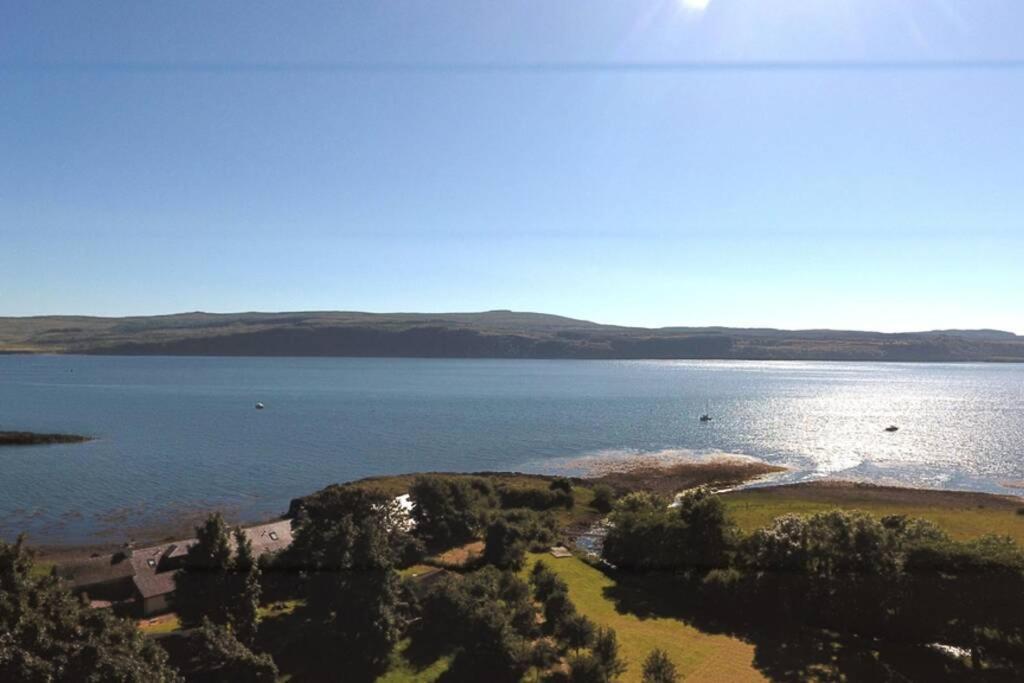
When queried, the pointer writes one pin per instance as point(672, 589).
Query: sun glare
point(695, 5)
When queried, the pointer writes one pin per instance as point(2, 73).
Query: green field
point(697, 655)
point(962, 515)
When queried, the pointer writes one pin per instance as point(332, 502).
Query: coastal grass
point(698, 656)
point(962, 515)
point(41, 568)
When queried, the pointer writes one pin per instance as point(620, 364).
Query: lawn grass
point(962, 515)
point(164, 624)
point(697, 655)
point(41, 569)
point(275, 609)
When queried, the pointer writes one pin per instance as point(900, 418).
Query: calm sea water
point(176, 436)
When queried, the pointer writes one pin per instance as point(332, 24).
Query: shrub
point(221, 656)
point(535, 498)
point(560, 484)
point(450, 510)
point(504, 546)
point(604, 498)
point(545, 582)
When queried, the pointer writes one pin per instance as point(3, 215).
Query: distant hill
point(492, 334)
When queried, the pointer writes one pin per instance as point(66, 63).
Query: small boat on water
point(892, 428)
point(259, 406)
point(706, 417)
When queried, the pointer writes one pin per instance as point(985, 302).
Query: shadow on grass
point(787, 649)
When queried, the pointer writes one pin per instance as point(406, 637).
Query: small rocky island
point(34, 439)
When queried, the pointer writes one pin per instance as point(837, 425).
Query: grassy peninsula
point(35, 439)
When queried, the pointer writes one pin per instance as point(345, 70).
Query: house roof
point(152, 584)
point(145, 568)
point(269, 538)
point(96, 570)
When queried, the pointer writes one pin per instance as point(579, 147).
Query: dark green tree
point(244, 589)
point(48, 635)
point(558, 608)
point(220, 656)
point(604, 498)
point(576, 631)
point(504, 546)
point(450, 510)
point(487, 620)
point(605, 647)
point(658, 668)
point(202, 587)
point(707, 531)
point(545, 582)
point(352, 591)
point(584, 667)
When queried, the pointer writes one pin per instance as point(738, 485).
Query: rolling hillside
point(492, 334)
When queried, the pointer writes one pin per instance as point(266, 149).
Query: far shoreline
point(715, 359)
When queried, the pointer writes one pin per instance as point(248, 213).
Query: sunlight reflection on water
point(180, 434)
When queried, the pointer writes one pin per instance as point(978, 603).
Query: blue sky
point(162, 157)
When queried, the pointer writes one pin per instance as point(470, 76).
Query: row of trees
point(893, 578)
point(451, 510)
point(493, 630)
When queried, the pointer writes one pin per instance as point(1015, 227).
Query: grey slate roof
point(152, 578)
point(152, 584)
point(96, 570)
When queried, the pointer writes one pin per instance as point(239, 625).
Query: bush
point(535, 498)
point(450, 510)
point(560, 484)
point(604, 498)
point(539, 530)
point(584, 667)
point(545, 582)
point(504, 546)
point(648, 535)
point(1020, 511)
point(486, 618)
point(221, 656)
